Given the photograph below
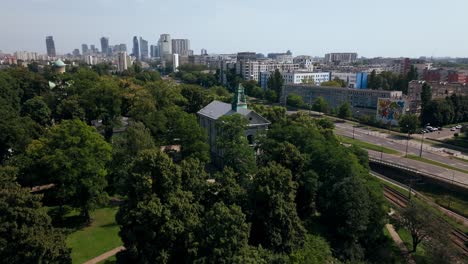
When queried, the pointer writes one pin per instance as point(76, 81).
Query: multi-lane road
point(414, 146)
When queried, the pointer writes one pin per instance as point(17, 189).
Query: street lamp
point(422, 141)
point(353, 125)
point(407, 141)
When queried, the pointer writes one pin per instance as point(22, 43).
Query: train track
point(395, 197)
point(458, 237)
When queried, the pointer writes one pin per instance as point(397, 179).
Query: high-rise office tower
point(143, 49)
point(136, 48)
point(123, 61)
point(50, 45)
point(93, 49)
point(204, 52)
point(165, 46)
point(154, 50)
point(175, 62)
point(181, 46)
point(123, 47)
point(105, 45)
point(76, 52)
point(84, 49)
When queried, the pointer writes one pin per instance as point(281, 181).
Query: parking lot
point(445, 133)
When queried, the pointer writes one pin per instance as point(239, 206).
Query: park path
point(401, 245)
point(105, 256)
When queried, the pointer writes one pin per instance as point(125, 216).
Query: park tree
point(73, 156)
point(273, 114)
point(275, 83)
point(196, 97)
point(316, 250)
point(103, 103)
point(125, 149)
point(275, 223)
point(154, 231)
point(409, 123)
point(426, 95)
point(37, 110)
point(334, 83)
point(70, 108)
point(26, 232)
point(223, 234)
point(344, 111)
point(231, 140)
point(420, 222)
point(320, 105)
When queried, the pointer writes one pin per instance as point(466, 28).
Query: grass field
point(414, 157)
point(419, 255)
point(100, 237)
point(366, 145)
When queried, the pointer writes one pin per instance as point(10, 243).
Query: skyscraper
point(84, 49)
point(181, 46)
point(165, 46)
point(143, 49)
point(204, 52)
point(50, 45)
point(123, 61)
point(136, 48)
point(105, 45)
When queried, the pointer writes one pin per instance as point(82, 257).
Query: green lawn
point(419, 255)
point(433, 162)
point(366, 145)
point(100, 237)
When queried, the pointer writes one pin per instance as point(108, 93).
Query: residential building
point(136, 48)
point(457, 76)
point(50, 45)
point(251, 69)
point(340, 58)
point(143, 49)
point(245, 56)
point(26, 55)
point(209, 115)
point(105, 46)
point(181, 47)
point(296, 77)
point(305, 62)
point(90, 60)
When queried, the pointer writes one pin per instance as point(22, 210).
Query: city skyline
point(400, 28)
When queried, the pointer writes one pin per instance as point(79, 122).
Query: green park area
point(97, 238)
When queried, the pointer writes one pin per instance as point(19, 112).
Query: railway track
point(458, 237)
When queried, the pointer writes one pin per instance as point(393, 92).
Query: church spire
point(239, 100)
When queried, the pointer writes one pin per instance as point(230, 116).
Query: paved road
point(398, 144)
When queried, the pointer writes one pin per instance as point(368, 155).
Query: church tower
point(239, 100)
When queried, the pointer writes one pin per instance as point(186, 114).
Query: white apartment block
point(297, 77)
point(250, 70)
point(25, 55)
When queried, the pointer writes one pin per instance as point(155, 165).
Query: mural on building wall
point(390, 110)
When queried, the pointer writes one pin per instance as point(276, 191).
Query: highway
point(399, 144)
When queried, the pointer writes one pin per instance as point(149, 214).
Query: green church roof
point(59, 63)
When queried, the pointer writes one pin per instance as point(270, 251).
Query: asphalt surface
point(414, 147)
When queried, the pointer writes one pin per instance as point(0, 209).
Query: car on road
point(458, 126)
point(453, 129)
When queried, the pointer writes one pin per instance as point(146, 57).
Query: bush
point(295, 100)
point(456, 135)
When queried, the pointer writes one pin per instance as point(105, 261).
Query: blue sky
point(370, 27)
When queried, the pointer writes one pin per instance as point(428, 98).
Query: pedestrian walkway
point(105, 256)
point(401, 245)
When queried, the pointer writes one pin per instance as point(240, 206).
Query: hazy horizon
point(395, 29)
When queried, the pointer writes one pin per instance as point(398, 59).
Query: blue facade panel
point(361, 80)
